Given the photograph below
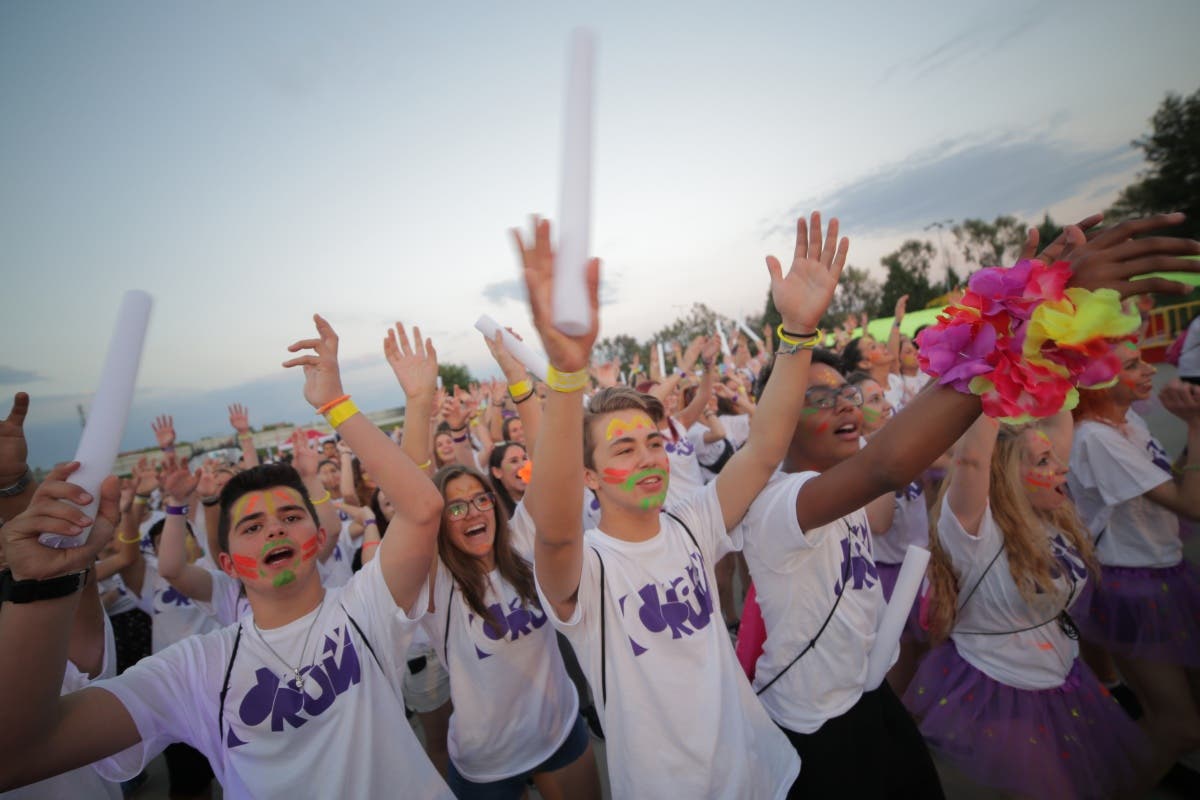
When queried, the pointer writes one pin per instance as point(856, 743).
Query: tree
point(857, 292)
point(907, 274)
point(454, 375)
point(699, 321)
point(1172, 182)
point(990, 244)
point(622, 347)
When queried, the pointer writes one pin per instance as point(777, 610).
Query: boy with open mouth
point(281, 703)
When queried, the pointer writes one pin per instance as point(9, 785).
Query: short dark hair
point(819, 356)
point(257, 479)
point(155, 532)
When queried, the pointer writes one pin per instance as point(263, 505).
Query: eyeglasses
point(826, 397)
point(460, 508)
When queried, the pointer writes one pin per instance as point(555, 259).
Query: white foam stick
point(891, 623)
point(572, 309)
point(757, 339)
point(724, 342)
point(662, 359)
point(533, 361)
point(97, 450)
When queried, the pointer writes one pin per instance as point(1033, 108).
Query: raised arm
point(189, 580)
point(893, 342)
point(308, 464)
point(14, 453)
point(555, 495)
point(693, 411)
point(968, 481)
point(45, 734)
point(415, 367)
point(239, 418)
point(1182, 495)
point(939, 415)
point(520, 388)
point(408, 550)
point(801, 296)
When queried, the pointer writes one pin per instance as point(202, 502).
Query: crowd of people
point(687, 563)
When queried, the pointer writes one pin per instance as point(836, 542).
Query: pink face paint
point(308, 550)
point(824, 426)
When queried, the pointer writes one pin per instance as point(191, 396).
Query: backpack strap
point(363, 636)
point(225, 684)
point(686, 530)
point(446, 635)
point(603, 637)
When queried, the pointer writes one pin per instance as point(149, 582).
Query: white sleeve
point(587, 599)
point(388, 627)
point(771, 523)
point(226, 591)
point(522, 532)
point(1106, 461)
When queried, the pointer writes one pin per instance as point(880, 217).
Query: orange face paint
point(246, 566)
point(309, 549)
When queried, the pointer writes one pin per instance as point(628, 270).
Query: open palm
point(413, 363)
point(803, 294)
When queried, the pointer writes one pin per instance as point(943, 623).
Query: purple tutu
point(1070, 741)
point(1145, 613)
point(913, 632)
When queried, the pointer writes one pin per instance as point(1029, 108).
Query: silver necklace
point(297, 677)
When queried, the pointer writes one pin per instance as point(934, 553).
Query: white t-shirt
point(910, 525)
point(707, 453)
point(680, 718)
point(514, 704)
point(1110, 473)
point(686, 477)
point(337, 569)
point(228, 603)
point(737, 429)
point(901, 389)
point(173, 616)
point(126, 600)
point(798, 576)
point(1189, 357)
point(85, 782)
point(344, 735)
point(1029, 659)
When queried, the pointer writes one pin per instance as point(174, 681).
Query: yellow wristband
point(123, 540)
point(341, 412)
point(521, 387)
point(566, 381)
point(140, 501)
point(426, 465)
point(324, 498)
point(789, 345)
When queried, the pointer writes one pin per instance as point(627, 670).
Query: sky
point(250, 164)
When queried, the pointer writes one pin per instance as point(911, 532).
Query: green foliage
point(1172, 181)
point(907, 274)
point(857, 293)
point(454, 375)
point(990, 244)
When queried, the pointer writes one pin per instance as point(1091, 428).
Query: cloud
point(502, 291)
point(963, 178)
point(14, 375)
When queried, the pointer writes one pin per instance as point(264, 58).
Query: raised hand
point(453, 410)
point(207, 487)
point(709, 350)
point(414, 365)
point(1113, 257)
point(14, 451)
point(1182, 400)
point(803, 294)
point(164, 431)
point(688, 360)
point(1055, 248)
point(607, 374)
point(126, 498)
point(239, 418)
point(304, 458)
point(145, 476)
point(177, 481)
point(901, 307)
point(566, 353)
point(322, 377)
point(508, 363)
point(50, 511)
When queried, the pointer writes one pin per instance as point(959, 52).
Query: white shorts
point(426, 682)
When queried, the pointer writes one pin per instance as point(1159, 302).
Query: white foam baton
point(746, 328)
point(891, 623)
point(662, 360)
point(724, 342)
point(536, 363)
point(101, 439)
point(572, 309)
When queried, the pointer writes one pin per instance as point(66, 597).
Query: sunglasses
point(825, 397)
point(460, 508)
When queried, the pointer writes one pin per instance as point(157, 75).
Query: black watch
point(31, 591)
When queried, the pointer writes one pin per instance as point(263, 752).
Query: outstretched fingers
point(20, 408)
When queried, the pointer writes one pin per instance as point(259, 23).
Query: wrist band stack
point(520, 388)
point(566, 381)
point(792, 343)
point(1023, 342)
point(338, 410)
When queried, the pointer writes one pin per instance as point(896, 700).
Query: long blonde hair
point(1023, 527)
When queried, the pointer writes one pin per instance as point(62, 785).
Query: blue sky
point(249, 164)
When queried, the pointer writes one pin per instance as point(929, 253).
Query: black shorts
point(188, 770)
point(874, 750)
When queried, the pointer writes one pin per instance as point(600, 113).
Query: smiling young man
point(636, 596)
point(300, 698)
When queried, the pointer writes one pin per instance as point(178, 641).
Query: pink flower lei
point(1023, 341)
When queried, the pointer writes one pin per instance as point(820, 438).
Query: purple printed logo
point(682, 606)
point(910, 492)
point(169, 597)
point(1158, 455)
point(857, 562)
point(520, 620)
point(337, 553)
point(279, 700)
point(1068, 559)
point(681, 448)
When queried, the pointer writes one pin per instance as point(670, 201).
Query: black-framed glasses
point(458, 509)
point(826, 397)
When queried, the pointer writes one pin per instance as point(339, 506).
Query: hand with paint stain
point(51, 511)
point(164, 431)
point(322, 376)
point(803, 294)
point(413, 363)
point(1112, 257)
point(566, 353)
point(1182, 400)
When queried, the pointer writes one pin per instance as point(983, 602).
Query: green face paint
point(808, 412)
point(284, 578)
point(275, 545)
point(629, 481)
point(870, 414)
point(653, 501)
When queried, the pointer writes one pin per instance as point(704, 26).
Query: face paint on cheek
point(308, 550)
point(283, 578)
point(870, 414)
point(616, 476)
point(824, 426)
point(808, 412)
point(1039, 480)
point(246, 566)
